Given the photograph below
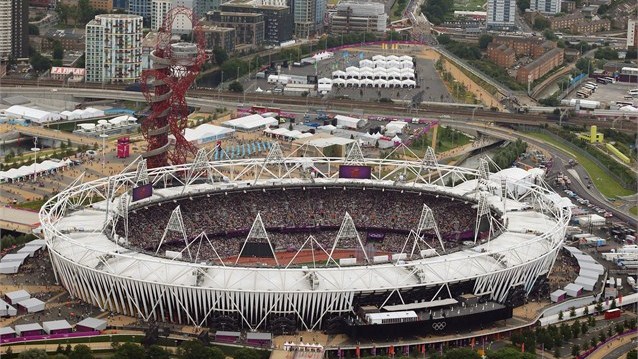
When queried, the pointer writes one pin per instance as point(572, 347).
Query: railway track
point(536, 119)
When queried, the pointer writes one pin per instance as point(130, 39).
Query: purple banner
point(376, 236)
point(142, 192)
point(358, 172)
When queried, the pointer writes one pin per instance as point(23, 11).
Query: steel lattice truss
point(98, 269)
point(175, 68)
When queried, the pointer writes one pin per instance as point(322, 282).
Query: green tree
point(193, 349)
point(84, 12)
point(522, 5)
point(33, 354)
point(593, 341)
point(34, 30)
point(40, 63)
point(585, 65)
point(575, 350)
point(235, 86)
point(576, 329)
point(81, 351)
point(444, 39)
point(127, 350)
point(632, 354)
point(58, 51)
point(484, 41)
point(601, 336)
point(59, 356)
point(540, 23)
point(220, 55)
point(156, 352)
point(556, 352)
point(246, 353)
point(572, 312)
point(584, 328)
point(549, 35)
point(461, 353)
point(606, 53)
point(436, 10)
point(619, 328)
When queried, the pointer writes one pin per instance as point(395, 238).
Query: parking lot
point(609, 94)
point(427, 79)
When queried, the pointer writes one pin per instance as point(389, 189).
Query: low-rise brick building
point(525, 46)
point(502, 55)
point(541, 66)
point(565, 22)
point(588, 27)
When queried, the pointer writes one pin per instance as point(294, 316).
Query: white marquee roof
point(31, 114)
point(251, 122)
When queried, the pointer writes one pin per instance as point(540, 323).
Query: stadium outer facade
point(94, 266)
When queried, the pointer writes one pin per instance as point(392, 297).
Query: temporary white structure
point(31, 114)
point(395, 126)
point(350, 122)
point(206, 133)
point(251, 122)
point(573, 290)
point(29, 250)
point(17, 296)
point(338, 74)
point(9, 267)
point(557, 295)
point(366, 83)
point(7, 310)
point(380, 83)
point(91, 324)
point(7, 332)
point(32, 305)
point(352, 82)
point(587, 283)
point(394, 83)
point(366, 63)
point(28, 170)
point(28, 328)
point(408, 83)
point(53, 326)
point(339, 82)
point(15, 257)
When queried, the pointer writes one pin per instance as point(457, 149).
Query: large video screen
point(358, 172)
point(143, 191)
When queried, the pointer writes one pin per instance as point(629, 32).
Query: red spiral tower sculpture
point(174, 69)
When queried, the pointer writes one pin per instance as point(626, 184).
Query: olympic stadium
point(303, 242)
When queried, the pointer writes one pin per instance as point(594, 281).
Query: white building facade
point(159, 8)
point(114, 48)
point(545, 6)
point(632, 25)
point(501, 14)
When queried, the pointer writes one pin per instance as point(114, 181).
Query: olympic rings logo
point(439, 325)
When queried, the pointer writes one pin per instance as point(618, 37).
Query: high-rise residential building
point(279, 21)
point(249, 27)
point(5, 28)
point(14, 30)
point(113, 51)
point(501, 14)
point(201, 7)
point(159, 9)
point(308, 15)
point(545, 6)
point(141, 8)
point(632, 33)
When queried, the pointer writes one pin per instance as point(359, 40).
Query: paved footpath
point(615, 349)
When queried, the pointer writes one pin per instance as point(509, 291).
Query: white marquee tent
point(13, 174)
point(31, 114)
point(251, 122)
point(206, 133)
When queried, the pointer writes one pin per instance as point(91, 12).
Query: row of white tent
point(392, 58)
point(282, 132)
point(374, 83)
point(374, 74)
point(383, 64)
point(120, 121)
point(79, 114)
point(14, 174)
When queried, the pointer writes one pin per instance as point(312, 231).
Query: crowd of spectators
point(291, 215)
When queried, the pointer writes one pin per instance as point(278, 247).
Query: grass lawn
point(400, 6)
point(31, 205)
point(606, 184)
point(633, 211)
point(469, 5)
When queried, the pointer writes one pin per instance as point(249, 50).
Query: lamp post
point(103, 136)
point(35, 150)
